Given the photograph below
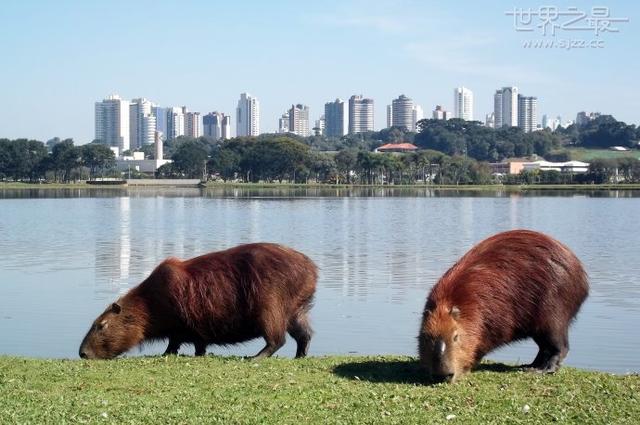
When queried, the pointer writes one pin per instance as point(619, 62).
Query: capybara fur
point(514, 285)
point(226, 297)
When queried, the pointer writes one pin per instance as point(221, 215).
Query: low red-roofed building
point(397, 147)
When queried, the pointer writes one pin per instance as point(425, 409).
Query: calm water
point(64, 255)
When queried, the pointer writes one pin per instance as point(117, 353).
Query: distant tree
point(97, 157)
point(63, 159)
point(190, 158)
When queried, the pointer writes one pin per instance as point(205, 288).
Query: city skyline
point(414, 48)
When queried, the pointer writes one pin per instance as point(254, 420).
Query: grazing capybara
point(511, 286)
point(226, 297)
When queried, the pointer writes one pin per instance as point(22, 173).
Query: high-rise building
point(441, 114)
point(402, 113)
point(161, 120)
point(214, 126)
point(583, 118)
point(389, 116)
point(505, 107)
point(112, 122)
point(527, 113)
point(299, 120)
point(463, 103)
point(283, 123)
point(142, 123)
point(490, 120)
point(226, 127)
point(175, 123)
point(192, 123)
point(360, 114)
point(418, 114)
point(248, 116)
point(336, 117)
point(319, 128)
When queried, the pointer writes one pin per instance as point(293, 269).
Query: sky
point(60, 57)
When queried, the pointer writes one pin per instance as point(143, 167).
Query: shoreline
point(210, 185)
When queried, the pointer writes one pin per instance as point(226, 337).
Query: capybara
point(226, 297)
point(511, 286)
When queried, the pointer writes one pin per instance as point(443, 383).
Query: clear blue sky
point(59, 57)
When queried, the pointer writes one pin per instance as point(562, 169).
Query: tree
point(190, 158)
point(64, 158)
point(97, 157)
point(345, 162)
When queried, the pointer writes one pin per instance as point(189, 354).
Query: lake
point(66, 254)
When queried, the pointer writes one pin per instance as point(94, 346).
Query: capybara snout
point(514, 285)
point(250, 291)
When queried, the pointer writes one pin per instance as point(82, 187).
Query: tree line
point(31, 160)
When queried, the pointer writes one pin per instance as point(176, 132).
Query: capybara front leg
point(553, 349)
point(201, 348)
point(173, 347)
point(300, 330)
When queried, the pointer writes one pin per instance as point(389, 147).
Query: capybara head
point(112, 333)
point(440, 344)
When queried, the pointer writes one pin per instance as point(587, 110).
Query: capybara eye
point(455, 338)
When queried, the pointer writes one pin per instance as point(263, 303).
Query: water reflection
point(378, 256)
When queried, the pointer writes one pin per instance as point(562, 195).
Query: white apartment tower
point(142, 123)
point(402, 113)
point(336, 117)
point(112, 122)
point(175, 123)
point(418, 114)
point(360, 114)
point(505, 107)
point(283, 123)
point(299, 120)
point(248, 116)
point(463, 103)
point(527, 113)
point(440, 113)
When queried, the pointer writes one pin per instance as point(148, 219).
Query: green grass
point(345, 390)
point(586, 155)
point(22, 185)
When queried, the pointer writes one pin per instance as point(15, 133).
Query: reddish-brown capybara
point(513, 285)
point(226, 297)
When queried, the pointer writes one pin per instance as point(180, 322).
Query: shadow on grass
point(403, 372)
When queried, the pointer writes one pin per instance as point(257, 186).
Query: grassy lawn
point(345, 390)
point(582, 154)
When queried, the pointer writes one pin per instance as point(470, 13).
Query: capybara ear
point(115, 307)
point(455, 312)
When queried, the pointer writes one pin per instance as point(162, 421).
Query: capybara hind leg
point(201, 348)
point(553, 349)
point(300, 330)
point(273, 345)
point(173, 347)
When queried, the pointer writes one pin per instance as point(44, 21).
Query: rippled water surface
point(65, 254)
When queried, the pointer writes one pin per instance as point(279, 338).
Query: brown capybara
point(226, 297)
point(511, 286)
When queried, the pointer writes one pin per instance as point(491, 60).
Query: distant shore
point(215, 185)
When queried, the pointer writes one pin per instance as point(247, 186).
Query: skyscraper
point(214, 126)
point(418, 114)
point(360, 114)
point(527, 113)
point(505, 107)
point(192, 124)
point(112, 122)
point(402, 113)
point(175, 123)
point(226, 127)
point(248, 116)
point(441, 114)
point(283, 123)
point(299, 120)
point(319, 127)
point(142, 123)
point(161, 120)
point(463, 103)
point(336, 118)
